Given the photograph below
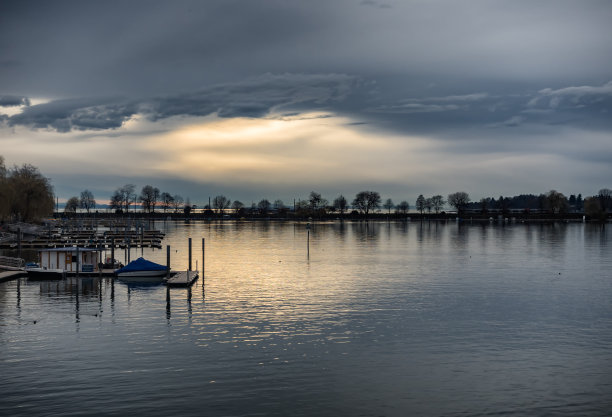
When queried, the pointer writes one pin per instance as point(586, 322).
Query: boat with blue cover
point(141, 268)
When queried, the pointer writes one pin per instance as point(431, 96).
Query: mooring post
point(19, 241)
point(100, 259)
point(167, 261)
point(203, 256)
point(112, 252)
point(128, 250)
point(77, 260)
point(308, 240)
point(189, 255)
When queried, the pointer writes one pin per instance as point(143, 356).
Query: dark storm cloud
point(75, 114)
point(8, 101)
point(254, 97)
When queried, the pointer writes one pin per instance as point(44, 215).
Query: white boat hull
point(142, 274)
point(43, 273)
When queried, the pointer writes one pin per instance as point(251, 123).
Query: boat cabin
point(70, 259)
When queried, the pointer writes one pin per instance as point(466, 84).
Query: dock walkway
point(183, 279)
point(10, 275)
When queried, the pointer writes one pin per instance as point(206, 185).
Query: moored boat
point(141, 269)
point(36, 272)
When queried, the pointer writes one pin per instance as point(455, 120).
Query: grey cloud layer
point(254, 97)
point(257, 97)
point(9, 101)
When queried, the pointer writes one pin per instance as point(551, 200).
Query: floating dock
point(10, 275)
point(183, 279)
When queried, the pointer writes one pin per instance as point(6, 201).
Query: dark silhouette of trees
point(605, 199)
point(420, 203)
point(279, 205)
point(263, 206)
point(87, 201)
point(71, 205)
point(366, 201)
point(25, 193)
point(388, 205)
point(594, 209)
point(148, 197)
point(341, 204)
point(221, 203)
point(437, 203)
point(238, 207)
point(123, 197)
point(177, 202)
point(459, 200)
point(316, 203)
point(166, 200)
point(403, 207)
point(556, 202)
point(428, 205)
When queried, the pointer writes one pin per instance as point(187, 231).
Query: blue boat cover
point(141, 264)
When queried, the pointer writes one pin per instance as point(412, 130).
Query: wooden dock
point(183, 278)
point(10, 275)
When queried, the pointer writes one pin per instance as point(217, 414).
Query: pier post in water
point(189, 254)
point(113, 253)
point(203, 256)
point(167, 261)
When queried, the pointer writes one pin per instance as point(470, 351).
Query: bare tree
point(437, 202)
point(420, 203)
point(221, 203)
point(166, 200)
point(403, 207)
point(177, 202)
point(128, 195)
point(279, 205)
point(71, 205)
point(459, 200)
point(388, 205)
point(148, 197)
point(263, 206)
point(366, 201)
point(316, 202)
point(87, 200)
point(341, 204)
point(116, 200)
point(237, 206)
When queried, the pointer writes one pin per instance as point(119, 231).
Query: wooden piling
point(189, 254)
point(167, 261)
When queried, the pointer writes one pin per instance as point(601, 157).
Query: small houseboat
point(56, 262)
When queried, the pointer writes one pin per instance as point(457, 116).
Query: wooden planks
point(182, 279)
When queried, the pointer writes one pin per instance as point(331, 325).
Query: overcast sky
point(275, 98)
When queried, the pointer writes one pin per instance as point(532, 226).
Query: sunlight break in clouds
point(308, 150)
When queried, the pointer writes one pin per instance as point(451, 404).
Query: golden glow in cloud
point(305, 150)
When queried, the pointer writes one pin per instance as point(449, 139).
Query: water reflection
point(388, 315)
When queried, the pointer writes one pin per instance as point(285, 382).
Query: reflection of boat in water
point(36, 272)
point(142, 270)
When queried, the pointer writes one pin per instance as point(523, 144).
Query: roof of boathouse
point(69, 249)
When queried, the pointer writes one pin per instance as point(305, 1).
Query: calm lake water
point(379, 319)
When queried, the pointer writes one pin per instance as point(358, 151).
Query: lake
point(356, 319)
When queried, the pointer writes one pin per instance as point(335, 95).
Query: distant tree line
point(364, 204)
point(25, 194)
